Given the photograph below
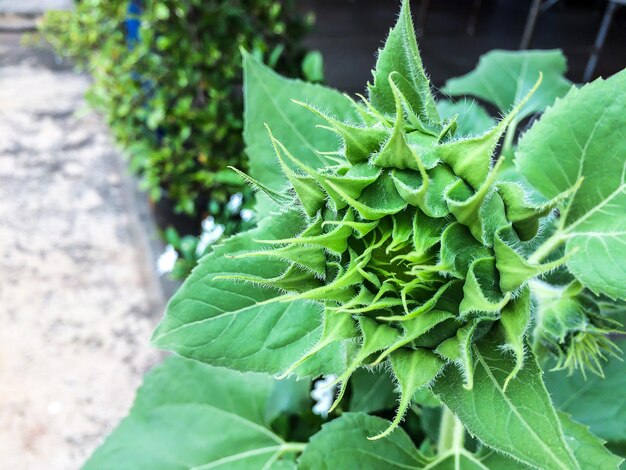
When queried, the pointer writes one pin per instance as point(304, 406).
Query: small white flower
point(209, 237)
point(246, 214)
point(208, 224)
point(167, 260)
point(235, 202)
point(323, 395)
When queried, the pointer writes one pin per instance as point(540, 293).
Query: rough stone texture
point(33, 6)
point(77, 303)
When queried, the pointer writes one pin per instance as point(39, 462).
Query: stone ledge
point(33, 7)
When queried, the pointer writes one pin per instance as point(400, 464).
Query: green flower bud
point(412, 244)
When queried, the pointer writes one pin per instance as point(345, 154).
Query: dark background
point(348, 33)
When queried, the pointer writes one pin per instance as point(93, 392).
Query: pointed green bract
point(411, 186)
point(305, 186)
point(525, 215)
point(376, 201)
point(401, 55)
point(513, 268)
point(309, 257)
point(441, 178)
point(481, 292)
point(470, 158)
point(336, 240)
point(268, 101)
point(279, 198)
point(206, 318)
point(375, 337)
point(359, 141)
point(514, 321)
point(459, 249)
point(413, 369)
point(415, 328)
point(465, 356)
point(468, 206)
point(338, 326)
point(396, 152)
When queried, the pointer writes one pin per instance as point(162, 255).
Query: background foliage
point(168, 76)
point(172, 95)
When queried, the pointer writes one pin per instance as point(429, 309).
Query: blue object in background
point(133, 23)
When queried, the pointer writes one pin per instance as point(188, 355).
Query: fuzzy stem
point(507, 144)
point(546, 248)
point(451, 433)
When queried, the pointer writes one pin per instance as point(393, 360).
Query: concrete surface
point(78, 300)
point(33, 7)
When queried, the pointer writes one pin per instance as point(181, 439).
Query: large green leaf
point(520, 422)
point(268, 101)
point(583, 137)
point(461, 460)
point(240, 325)
point(588, 450)
point(188, 415)
point(343, 444)
point(502, 78)
point(492, 460)
point(598, 402)
point(473, 119)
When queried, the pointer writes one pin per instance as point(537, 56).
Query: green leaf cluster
point(404, 237)
point(393, 253)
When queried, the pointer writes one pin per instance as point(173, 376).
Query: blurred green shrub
point(80, 33)
point(173, 97)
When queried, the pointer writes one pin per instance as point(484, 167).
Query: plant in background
point(172, 93)
point(399, 252)
point(82, 33)
point(182, 253)
point(167, 75)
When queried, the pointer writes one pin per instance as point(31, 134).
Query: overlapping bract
point(412, 244)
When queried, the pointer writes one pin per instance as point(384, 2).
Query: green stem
point(458, 437)
point(507, 145)
point(546, 248)
point(451, 433)
point(292, 447)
